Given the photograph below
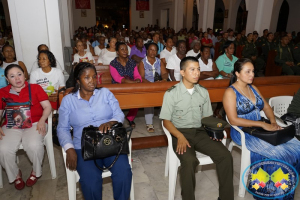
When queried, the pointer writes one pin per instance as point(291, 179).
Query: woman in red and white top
point(81, 55)
point(31, 138)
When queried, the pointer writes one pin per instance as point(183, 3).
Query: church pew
point(217, 51)
point(151, 95)
point(271, 68)
point(239, 50)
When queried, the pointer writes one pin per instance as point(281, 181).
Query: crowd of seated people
point(147, 55)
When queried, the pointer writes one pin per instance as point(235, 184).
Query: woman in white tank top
point(208, 68)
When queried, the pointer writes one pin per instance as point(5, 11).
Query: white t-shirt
point(106, 56)
point(35, 66)
point(192, 53)
point(86, 58)
point(166, 54)
point(206, 68)
point(174, 63)
point(55, 78)
point(191, 90)
point(98, 50)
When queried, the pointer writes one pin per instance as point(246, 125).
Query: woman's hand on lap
point(41, 127)
point(270, 127)
point(53, 97)
point(71, 161)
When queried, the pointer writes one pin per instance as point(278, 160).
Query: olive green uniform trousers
point(200, 141)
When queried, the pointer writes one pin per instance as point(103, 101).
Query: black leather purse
point(273, 137)
point(96, 145)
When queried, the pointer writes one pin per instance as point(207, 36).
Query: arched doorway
point(241, 18)
point(219, 15)
point(283, 16)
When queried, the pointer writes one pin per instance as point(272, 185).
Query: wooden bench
point(151, 95)
point(217, 51)
point(271, 68)
point(103, 74)
point(239, 50)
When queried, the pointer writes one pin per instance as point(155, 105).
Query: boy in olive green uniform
point(184, 105)
point(250, 51)
point(285, 59)
point(222, 42)
point(267, 46)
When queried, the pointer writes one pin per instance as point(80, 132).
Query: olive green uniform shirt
point(222, 42)
point(296, 54)
point(266, 47)
point(183, 109)
point(238, 43)
point(284, 54)
point(249, 50)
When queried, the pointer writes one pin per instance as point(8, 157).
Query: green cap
point(214, 123)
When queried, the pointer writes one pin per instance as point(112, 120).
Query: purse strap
point(117, 156)
point(112, 164)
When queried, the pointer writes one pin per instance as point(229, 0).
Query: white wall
point(44, 22)
point(89, 20)
point(135, 19)
point(294, 16)
point(159, 6)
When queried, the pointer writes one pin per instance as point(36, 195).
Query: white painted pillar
point(178, 23)
point(66, 23)
point(229, 21)
point(259, 15)
point(45, 28)
point(189, 14)
point(206, 14)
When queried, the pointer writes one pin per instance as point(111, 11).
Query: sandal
point(131, 123)
point(19, 183)
point(31, 180)
point(150, 128)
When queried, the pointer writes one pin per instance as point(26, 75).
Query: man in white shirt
point(174, 61)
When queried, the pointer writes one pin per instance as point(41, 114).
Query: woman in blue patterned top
point(124, 70)
point(152, 70)
point(243, 103)
point(85, 106)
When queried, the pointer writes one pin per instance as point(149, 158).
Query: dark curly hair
point(50, 56)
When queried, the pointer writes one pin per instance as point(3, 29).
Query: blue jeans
point(91, 177)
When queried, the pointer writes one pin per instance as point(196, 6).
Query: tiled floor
point(148, 176)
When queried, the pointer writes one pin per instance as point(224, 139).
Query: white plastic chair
point(73, 177)
point(49, 147)
point(280, 105)
point(245, 156)
point(172, 162)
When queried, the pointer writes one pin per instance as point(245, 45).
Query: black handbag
point(157, 77)
point(96, 145)
point(273, 137)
